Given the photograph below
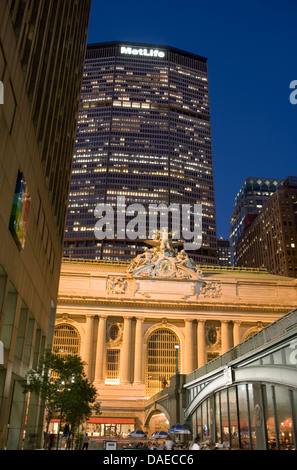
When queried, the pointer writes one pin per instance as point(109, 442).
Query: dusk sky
point(251, 47)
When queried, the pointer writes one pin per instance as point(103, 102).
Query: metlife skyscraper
point(143, 136)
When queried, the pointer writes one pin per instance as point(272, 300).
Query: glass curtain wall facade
point(249, 201)
point(235, 424)
point(143, 134)
point(270, 240)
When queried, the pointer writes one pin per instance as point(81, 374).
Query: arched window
point(160, 359)
point(66, 340)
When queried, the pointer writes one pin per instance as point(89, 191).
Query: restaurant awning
point(101, 420)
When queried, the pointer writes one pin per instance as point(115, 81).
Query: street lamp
point(176, 357)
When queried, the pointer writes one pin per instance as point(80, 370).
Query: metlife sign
point(143, 52)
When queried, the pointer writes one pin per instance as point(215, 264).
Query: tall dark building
point(144, 134)
point(270, 241)
point(42, 51)
point(249, 201)
point(224, 253)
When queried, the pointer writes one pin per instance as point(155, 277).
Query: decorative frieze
point(116, 285)
point(212, 290)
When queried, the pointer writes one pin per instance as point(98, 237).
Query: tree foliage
point(62, 383)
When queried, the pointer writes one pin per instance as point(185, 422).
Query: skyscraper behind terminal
point(249, 201)
point(143, 134)
point(270, 240)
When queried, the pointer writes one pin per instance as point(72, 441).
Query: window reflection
point(284, 418)
point(269, 416)
point(218, 417)
point(234, 418)
point(243, 417)
point(205, 428)
point(225, 420)
point(252, 416)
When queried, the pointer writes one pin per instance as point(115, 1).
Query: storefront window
point(252, 415)
point(294, 414)
point(199, 431)
point(111, 430)
point(243, 417)
point(108, 429)
point(269, 416)
point(225, 420)
point(233, 418)
point(95, 429)
point(218, 417)
point(205, 428)
point(194, 424)
point(284, 418)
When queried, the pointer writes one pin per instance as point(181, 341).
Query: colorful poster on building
point(20, 211)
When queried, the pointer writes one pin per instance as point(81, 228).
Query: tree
point(62, 384)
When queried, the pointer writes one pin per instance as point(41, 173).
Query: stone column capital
point(139, 318)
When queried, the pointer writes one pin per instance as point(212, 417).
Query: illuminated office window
point(144, 133)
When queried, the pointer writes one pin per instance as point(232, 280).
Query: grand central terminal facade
point(135, 325)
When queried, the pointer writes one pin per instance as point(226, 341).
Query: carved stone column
point(201, 343)
point(189, 352)
point(138, 357)
point(236, 333)
point(225, 336)
point(89, 344)
point(125, 353)
point(100, 351)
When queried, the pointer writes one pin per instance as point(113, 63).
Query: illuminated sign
point(127, 50)
point(20, 212)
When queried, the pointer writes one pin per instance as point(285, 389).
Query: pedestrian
point(51, 440)
point(195, 446)
point(169, 444)
point(85, 442)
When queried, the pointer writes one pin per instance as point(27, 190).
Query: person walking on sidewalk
point(85, 442)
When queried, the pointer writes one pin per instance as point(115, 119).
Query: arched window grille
point(66, 340)
point(112, 375)
point(161, 359)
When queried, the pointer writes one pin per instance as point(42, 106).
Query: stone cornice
point(174, 305)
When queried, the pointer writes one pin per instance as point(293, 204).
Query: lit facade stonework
point(127, 320)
